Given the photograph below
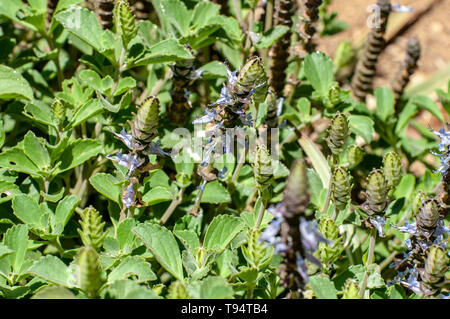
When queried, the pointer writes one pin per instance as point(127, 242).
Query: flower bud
point(436, 265)
point(90, 271)
point(272, 104)
point(125, 22)
point(252, 75)
point(392, 169)
point(295, 195)
point(376, 193)
point(350, 289)
point(91, 232)
point(341, 187)
point(355, 155)
point(429, 215)
point(262, 167)
point(417, 202)
point(177, 290)
point(58, 111)
point(334, 95)
point(338, 132)
point(145, 125)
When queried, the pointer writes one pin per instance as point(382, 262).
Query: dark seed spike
point(407, 68)
point(279, 52)
point(104, 10)
point(366, 66)
point(181, 82)
point(141, 9)
point(51, 6)
point(295, 201)
point(311, 11)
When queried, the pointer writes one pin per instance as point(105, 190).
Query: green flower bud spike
point(341, 187)
point(350, 289)
point(125, 22)
point(90, 271)
point(333, 96)
point(145, 124)
point(376, 193)
point(392, 169)
point(58, 111)
point(91, 232)
point(329, 253)
point(355, 155)
point(337, 133)
point(436, 265)
point(262, 168)
point(417, 202)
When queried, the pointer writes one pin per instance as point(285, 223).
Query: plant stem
point(262, 209)
point(370, 255)
point(388, 260)
point(173, 205)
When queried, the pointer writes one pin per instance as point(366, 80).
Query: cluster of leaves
point(67, 86)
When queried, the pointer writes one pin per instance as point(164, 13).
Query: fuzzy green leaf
point(52, 269)
point(132, 266)
point(319, 72)
point(221, 232)
point(105, 184)
point(215, 193)
point(323, 287)
point(13, 85)
point(77, 153)
point(163, 245)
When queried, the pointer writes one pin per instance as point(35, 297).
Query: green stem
point(370, 255)
point(262, 209)
point(388, 260)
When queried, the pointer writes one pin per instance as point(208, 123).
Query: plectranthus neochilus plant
point(209, 149)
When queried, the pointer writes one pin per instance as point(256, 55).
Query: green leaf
point(15, 159)
point(271, 36)
point(203, 14)
point(132, 266)
point(210, 288)
point(35, 149)
point(4, 250)
point(188, 238)
point(221, 232)
point(215, 193)
point(157, 195)
point(105, 184)
point(361, 125)
point(128, 289)
point(426, 103)
point(163, 246)
point(77, 153)
point(319, 72)
point(178, 15)
point(54, 292)
point(124, 85)
point(405, 116)
point(385, 103)
point(52, 269)
point(39, 112)
point(406, 186)
point(318, 160)
point(82, 23)
point(16, 239)
point(27, 210)
point(13, 85)
point(169, 50)
point(64, 212)
point(323, 287)
point(124, 234)
point(85, 112)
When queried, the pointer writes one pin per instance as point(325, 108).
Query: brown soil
point(429, 22)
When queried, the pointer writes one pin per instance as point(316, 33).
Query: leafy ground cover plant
point(205, 149)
